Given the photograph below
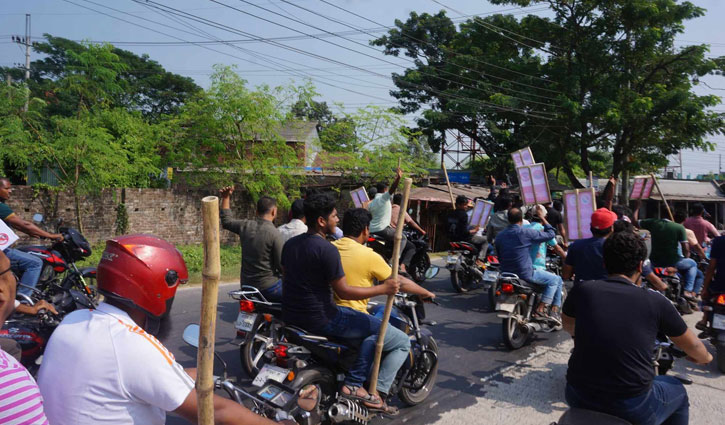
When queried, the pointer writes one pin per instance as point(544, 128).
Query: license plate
point(490, 276)
point(452, 259)
point(245, 321)
point(505, 307)
point(268, 372)
point(718, 321)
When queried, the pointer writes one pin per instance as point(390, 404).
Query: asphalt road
point(468, 336)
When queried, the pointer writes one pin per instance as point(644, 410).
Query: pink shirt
point(20, 399)
point(703, 229)
point(394, 211)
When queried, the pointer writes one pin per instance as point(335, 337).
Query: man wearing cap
point(585, 259)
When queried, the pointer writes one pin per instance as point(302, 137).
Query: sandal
point(701, 325)
point(369, 400)
point(388, 410)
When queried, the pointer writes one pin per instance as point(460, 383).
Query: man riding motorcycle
point(584, 259)
point(312, 270)
point(362, 265)
point(615, 322)
point(513, 245)
point(106, 366)
point(538, 251)
point(460, 231)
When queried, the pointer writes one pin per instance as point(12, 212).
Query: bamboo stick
point(448, 183)
point(662, 195)
point(389, 304)
point(209, 293)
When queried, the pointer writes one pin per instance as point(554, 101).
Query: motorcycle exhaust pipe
point(347, 410)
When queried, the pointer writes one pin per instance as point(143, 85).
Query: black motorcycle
point(314, 364)
point(466, 272)
point(715, 310)
point(516, 303)
point(675, 289)
point(420, 268)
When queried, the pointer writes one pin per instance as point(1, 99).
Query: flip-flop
point(701, 326)
point(370, 401)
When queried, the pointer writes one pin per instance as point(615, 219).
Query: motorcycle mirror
point(38, 218)
point(308, 397)
point(432, 272)
point(191, 335)
point(410, 210)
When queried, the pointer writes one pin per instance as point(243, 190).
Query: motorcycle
point(716, 329)
point(463, 266)
point(420, 267)
point(273, 401)
point(675, 289)
point(258, 323)
point(32, 332)
point(59, 268)
point(307, 363)
point(515, 304)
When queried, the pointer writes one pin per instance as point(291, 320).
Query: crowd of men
point(127, 376)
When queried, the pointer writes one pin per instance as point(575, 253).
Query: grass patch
point(194, 259)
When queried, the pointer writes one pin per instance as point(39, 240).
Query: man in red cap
point(585, 259)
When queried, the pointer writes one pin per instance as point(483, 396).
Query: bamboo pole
point(389, 304)
point(662, 195)
point(209, 293)
point(448, 183)
point(591, 179)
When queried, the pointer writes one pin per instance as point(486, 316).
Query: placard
point(534, 184)
point(579, 205)
point(359, 197)
point(523, 157)
point(642, 187)
point(481, 213)
point(7, 236)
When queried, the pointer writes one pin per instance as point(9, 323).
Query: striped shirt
point(20, 400)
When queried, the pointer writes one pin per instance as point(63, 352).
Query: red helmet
point(142, 271)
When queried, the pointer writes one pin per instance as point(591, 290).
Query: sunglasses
point(8, 269)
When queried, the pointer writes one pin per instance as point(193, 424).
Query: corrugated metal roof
point(439, 192)
point(689, 190)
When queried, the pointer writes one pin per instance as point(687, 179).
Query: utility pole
point(27, 43)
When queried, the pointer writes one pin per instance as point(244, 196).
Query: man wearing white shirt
point(296, 225)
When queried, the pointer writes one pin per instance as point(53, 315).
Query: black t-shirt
point(310, 265)
point(554, 218)
point(458, 226)
point(616, 327)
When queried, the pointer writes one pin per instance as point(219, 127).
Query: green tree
point(232, 134)
point(600, 75)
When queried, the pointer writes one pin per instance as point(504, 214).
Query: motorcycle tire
point(515, 335)
point(459, 281)
point(418, 266)
point(252, 352)
point(492, 295)
point(413, 398)
point(720, 356)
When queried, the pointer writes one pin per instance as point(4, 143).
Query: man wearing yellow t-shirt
point(362, 266)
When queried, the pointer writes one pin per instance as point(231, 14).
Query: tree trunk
point(79, 220)
point(624, 193)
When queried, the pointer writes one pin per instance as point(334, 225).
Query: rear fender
point(88, 272)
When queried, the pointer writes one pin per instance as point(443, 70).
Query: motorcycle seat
point(274, 309)
point(464, 245)
point(341, 351)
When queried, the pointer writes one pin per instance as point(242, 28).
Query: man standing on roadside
point(261, 245)
point(30, 265)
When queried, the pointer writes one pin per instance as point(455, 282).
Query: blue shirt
point(717, 285)
point(513, 245)
point(586, 256)
point(538, 251)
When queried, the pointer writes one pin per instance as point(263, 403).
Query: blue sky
point(335, 80)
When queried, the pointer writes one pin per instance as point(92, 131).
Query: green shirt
point(381, 208)
point(666, 238)
point(5, 211)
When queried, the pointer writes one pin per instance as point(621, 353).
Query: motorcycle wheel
point(515, 335)
point(492, 295)
point(720, 356)
point(411, 397)
point(418, 266)
point(252, 353)
point(459, 281)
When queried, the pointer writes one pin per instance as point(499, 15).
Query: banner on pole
point(642, 187)
point(523, 157)
point(481, 213)
point(359, 197)
point(7, 236)
point(579, 205)
point(534, 184)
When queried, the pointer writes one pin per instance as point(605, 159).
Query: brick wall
point(172, 214)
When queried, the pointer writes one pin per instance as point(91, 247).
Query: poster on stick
point(523, 157)
point(481, 213)
point(534, 184)
point(647, 192)
point(7, 236)
point(359, 197)
point(642, 187)
point(579, 205)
